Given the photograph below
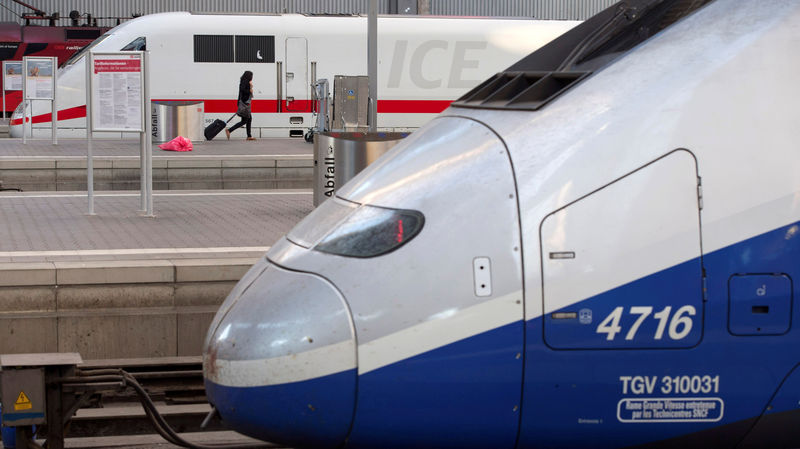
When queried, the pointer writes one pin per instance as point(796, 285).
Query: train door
point(600, 251)
point(622, 288)
point(297, 87)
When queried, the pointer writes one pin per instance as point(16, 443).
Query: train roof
point(381, 16)
point(553, 69)
point(10, 32)
point(199, 14)
point(184, 21)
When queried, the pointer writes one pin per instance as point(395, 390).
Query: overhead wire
point(12, 11)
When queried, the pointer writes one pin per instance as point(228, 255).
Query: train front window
point(138, 44)
point(77, 56)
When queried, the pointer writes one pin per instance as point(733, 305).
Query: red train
point(62, 42)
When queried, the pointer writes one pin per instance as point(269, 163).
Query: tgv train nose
point(280, 359)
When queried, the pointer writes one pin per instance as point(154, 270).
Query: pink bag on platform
point(179, 143)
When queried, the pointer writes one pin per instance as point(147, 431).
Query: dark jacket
point(244, 91)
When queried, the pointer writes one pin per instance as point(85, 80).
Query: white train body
point(423, 64)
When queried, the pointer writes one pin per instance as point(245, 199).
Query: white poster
point(117, 96)
point(12, 75)
point(39, 80)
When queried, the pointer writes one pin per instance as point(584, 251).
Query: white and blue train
point(595, 248)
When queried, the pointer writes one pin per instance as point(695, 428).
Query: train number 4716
point(677, 325)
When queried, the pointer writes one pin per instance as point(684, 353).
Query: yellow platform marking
point(23, 403)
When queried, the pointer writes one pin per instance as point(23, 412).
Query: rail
point(98, 400)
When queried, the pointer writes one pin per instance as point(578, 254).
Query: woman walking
point(245, 95)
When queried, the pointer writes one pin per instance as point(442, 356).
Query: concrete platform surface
point(55, 227)
point(121, 285)
point(220, 164)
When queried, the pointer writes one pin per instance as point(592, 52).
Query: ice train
point(594, 248)
point(424, 63)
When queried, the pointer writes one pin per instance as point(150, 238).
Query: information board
point(39, 79)
point(12, 75)
point(117, 92)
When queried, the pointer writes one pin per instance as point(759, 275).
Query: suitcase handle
point(227, 121)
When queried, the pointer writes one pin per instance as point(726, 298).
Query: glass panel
point(138, 44)
point(320, 222)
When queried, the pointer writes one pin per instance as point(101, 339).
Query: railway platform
point(218, 164)
point(118, 284)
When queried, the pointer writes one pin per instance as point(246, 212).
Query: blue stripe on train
point(463, 395)
point(572, 396)
point(314, 413)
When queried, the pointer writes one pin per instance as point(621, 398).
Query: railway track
point(114, 417)
point(175, 384)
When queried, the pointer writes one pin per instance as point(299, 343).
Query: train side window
point(213, 48)
point(8, 50)
point(255, 49)
point(34, 47)
point(138, 44)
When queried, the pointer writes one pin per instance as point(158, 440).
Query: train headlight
point(350, 229)
point(371, 231)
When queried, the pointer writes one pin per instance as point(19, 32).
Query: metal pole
point(372, 63)
point(143, 149)
point(313, 86)
point(89, 160)
point(279, 90)
point(54, 119)
point(55, 408)
point(24, 102)
point(148, 141)
point(142, 172)
point(5, 86)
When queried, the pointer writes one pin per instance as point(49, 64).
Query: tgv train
point(424, 63)
point(594, 248)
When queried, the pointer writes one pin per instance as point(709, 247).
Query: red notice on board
point(117, 65)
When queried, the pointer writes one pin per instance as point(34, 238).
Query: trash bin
point(339, 156)
point(171, 119)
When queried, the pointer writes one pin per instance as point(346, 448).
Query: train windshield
point(77, 56)
point(138, 44)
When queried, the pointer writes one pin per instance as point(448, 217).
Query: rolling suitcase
point(215, 127)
